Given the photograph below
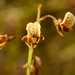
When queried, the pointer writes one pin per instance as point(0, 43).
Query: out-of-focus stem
point(30, 55)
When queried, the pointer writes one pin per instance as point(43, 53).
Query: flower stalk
point(30, 55)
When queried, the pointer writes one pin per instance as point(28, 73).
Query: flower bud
point(68, 21)
point(34, 29)
point(66, 24)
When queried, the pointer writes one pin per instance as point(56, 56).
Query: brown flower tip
point(3, 40)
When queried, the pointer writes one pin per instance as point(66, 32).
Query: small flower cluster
point(34, 29)
point(34, 34)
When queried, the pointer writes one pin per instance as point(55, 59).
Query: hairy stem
point(30, 55)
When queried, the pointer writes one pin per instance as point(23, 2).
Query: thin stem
point(53, 18)
point(59, 32)
point(30, 55)
point(38, 12)
point(49, 16)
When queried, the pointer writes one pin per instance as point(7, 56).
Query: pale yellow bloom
point(33, 29)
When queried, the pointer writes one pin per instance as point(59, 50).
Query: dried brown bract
point(36, 66)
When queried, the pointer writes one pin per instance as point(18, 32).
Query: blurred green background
point(57, 54)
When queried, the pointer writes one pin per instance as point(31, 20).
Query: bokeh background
point(57, 54)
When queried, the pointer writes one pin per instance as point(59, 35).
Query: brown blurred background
point(57, 54)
